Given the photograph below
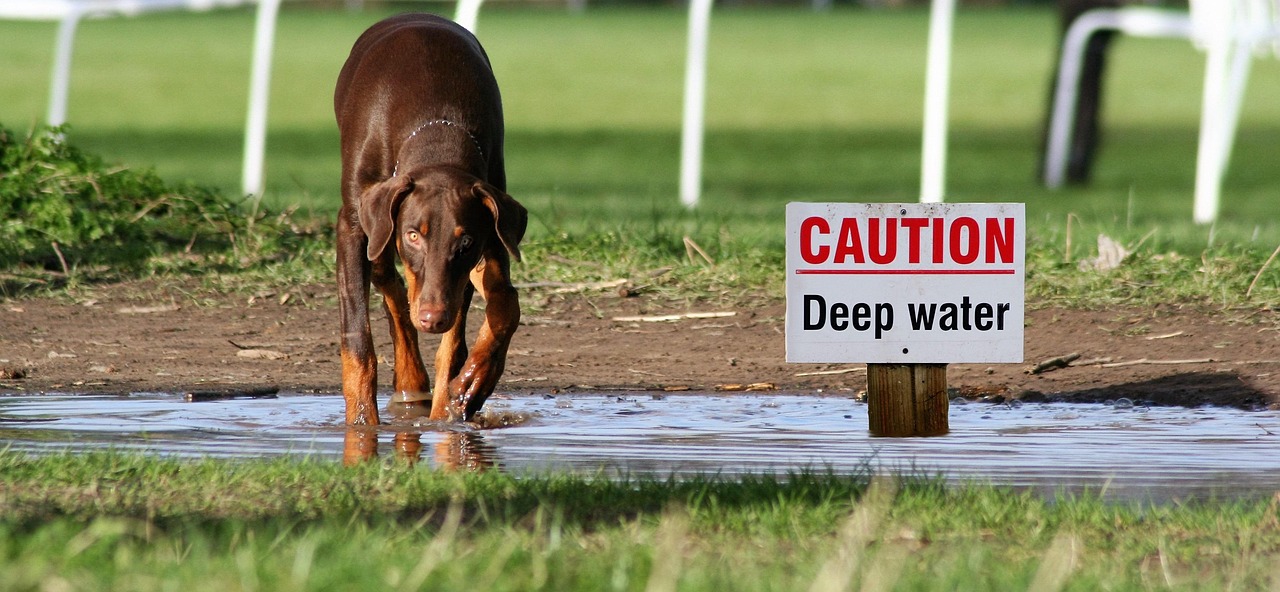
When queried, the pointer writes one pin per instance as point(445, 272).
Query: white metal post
point(467, 13)
point(255, 134)
point(936, 90)
point(695, 85)
point(61, 79)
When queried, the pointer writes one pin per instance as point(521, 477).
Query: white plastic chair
point(69, 13)
point(1229, 31)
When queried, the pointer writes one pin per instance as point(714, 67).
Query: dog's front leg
point(473, 385)
point(449, 358)
point(410, 377)
point(359, 366)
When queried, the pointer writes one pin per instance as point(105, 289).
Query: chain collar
point(474, 141)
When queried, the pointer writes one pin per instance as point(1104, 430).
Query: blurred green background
point(803, 105)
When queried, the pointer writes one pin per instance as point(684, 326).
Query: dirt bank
point(141, 336)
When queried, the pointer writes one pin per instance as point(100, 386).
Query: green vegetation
point(62, 207)
point(801, 106)
point(106, 521)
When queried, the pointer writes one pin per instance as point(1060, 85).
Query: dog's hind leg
point(359, 365)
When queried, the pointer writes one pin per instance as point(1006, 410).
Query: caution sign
point(905, 283)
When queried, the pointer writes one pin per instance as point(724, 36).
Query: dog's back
point(409, 69)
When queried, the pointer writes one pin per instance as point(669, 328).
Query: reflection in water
point(464, 451)
point(454, 450)
point(360, 445)
point(1130, 450)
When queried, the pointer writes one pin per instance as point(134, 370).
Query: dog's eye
point(464, 243)
point(413, 237)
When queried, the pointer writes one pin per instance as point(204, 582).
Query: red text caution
point(961, 245)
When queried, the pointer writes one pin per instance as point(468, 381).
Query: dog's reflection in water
point(454, 450)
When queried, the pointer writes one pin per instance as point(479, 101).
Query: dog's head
point(445, 223)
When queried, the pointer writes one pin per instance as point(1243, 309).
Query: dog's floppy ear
point(509, 217)
point(377, 211)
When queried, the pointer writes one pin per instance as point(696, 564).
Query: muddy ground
point(144, 337)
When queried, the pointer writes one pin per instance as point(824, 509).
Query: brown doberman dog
point(420, 119)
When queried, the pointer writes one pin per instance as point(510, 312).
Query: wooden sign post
point(908, 289)
point(907, 399)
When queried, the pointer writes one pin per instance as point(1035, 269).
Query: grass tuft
point(107, 520)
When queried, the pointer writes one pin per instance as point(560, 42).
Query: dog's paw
point(406, 405)
point(468, 394)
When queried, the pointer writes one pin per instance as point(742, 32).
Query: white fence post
point(695, 103)
point(255, 134)
point(467, 13)
point(61, 84)
point(933, 173)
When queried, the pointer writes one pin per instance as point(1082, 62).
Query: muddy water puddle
point(1126, 451)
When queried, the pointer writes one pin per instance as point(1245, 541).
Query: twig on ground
point(268, 392)
point(751, 388)
point(172, 307)
point(568, 287)
point(262, 354)
point(831, 372)
point(1092, 361)
point(526, 379)
point(1260, 270)
point(1054, 363)
point(1142, 361)
point(691, 247)
point(674, 317)
point(62, 260)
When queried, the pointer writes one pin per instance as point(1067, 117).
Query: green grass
point(801, 107)
point(108, 521)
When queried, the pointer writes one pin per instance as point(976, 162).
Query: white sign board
point(905, 283)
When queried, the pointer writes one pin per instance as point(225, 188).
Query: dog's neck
point(416, 144)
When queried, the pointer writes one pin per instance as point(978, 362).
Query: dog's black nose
point(433, 320)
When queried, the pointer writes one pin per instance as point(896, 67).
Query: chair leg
point(1227, 65)
point(1071, 131)
point(1084, 136)
point(1075, 132)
